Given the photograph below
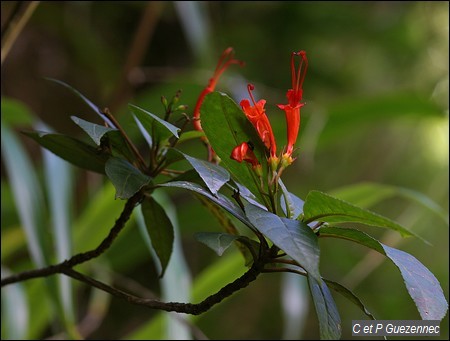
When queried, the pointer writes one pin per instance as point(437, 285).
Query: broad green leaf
point(422, 285)
point(367, 194)
point(157, 128)
point(95, 108)
point(326, 310)
point(293, 206)
point(226, 126)
point(213, 175)
point(323, 207)
point(126, 178)
point(160, 230)
point(220, 199)
point(95, 131)
point(216, 241)
point(292, 236)
point(72, 150)
point(350, 296)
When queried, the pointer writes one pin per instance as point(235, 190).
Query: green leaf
point(15, 112)
point(72, 150)
point(95, 131)
point(219, 199)
point(291, 205)
point(366, 194)
point(15, 310)
point(95, 108)
point(216, 241)
point(27, 194)
point(350, 296)
point(226, 126)
point(157, 128)
point(213, 175)
point(126, 178)
point(422, 285)
point(189, 135)
point(59, 184)
point(160, 229)
point(292, 236)
point(326, 310)
point(323, 207)
point(104, 136)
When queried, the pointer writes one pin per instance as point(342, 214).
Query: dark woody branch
point(66, 268)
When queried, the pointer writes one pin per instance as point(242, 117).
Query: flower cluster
point(256, 114)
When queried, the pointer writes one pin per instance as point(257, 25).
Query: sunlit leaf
point(323, 207)
point(367, 194)
point(126, 178)
point(422, 285)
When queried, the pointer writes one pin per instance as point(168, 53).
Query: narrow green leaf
point(292, 236)
point(72, 150)
point(226, 126)
point(160, 229)
point(323, 207)
point(126, 178)
point(15, 310)
point(350, 296)
point(95, 108)
point(216, 241)
point(95, 131)
point(58, 175)
point(219, 199)
point(367, 194)
point(27, 194)
point(291, 205)
point(157, 128)
point(213, 175)
point(422, 285)
point(326, 310)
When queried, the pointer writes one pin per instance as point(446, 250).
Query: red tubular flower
point(292, 109)
point(244, 152)
point(256, 114)
point(225, 60)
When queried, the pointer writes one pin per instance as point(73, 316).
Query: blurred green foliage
point(376, 110)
